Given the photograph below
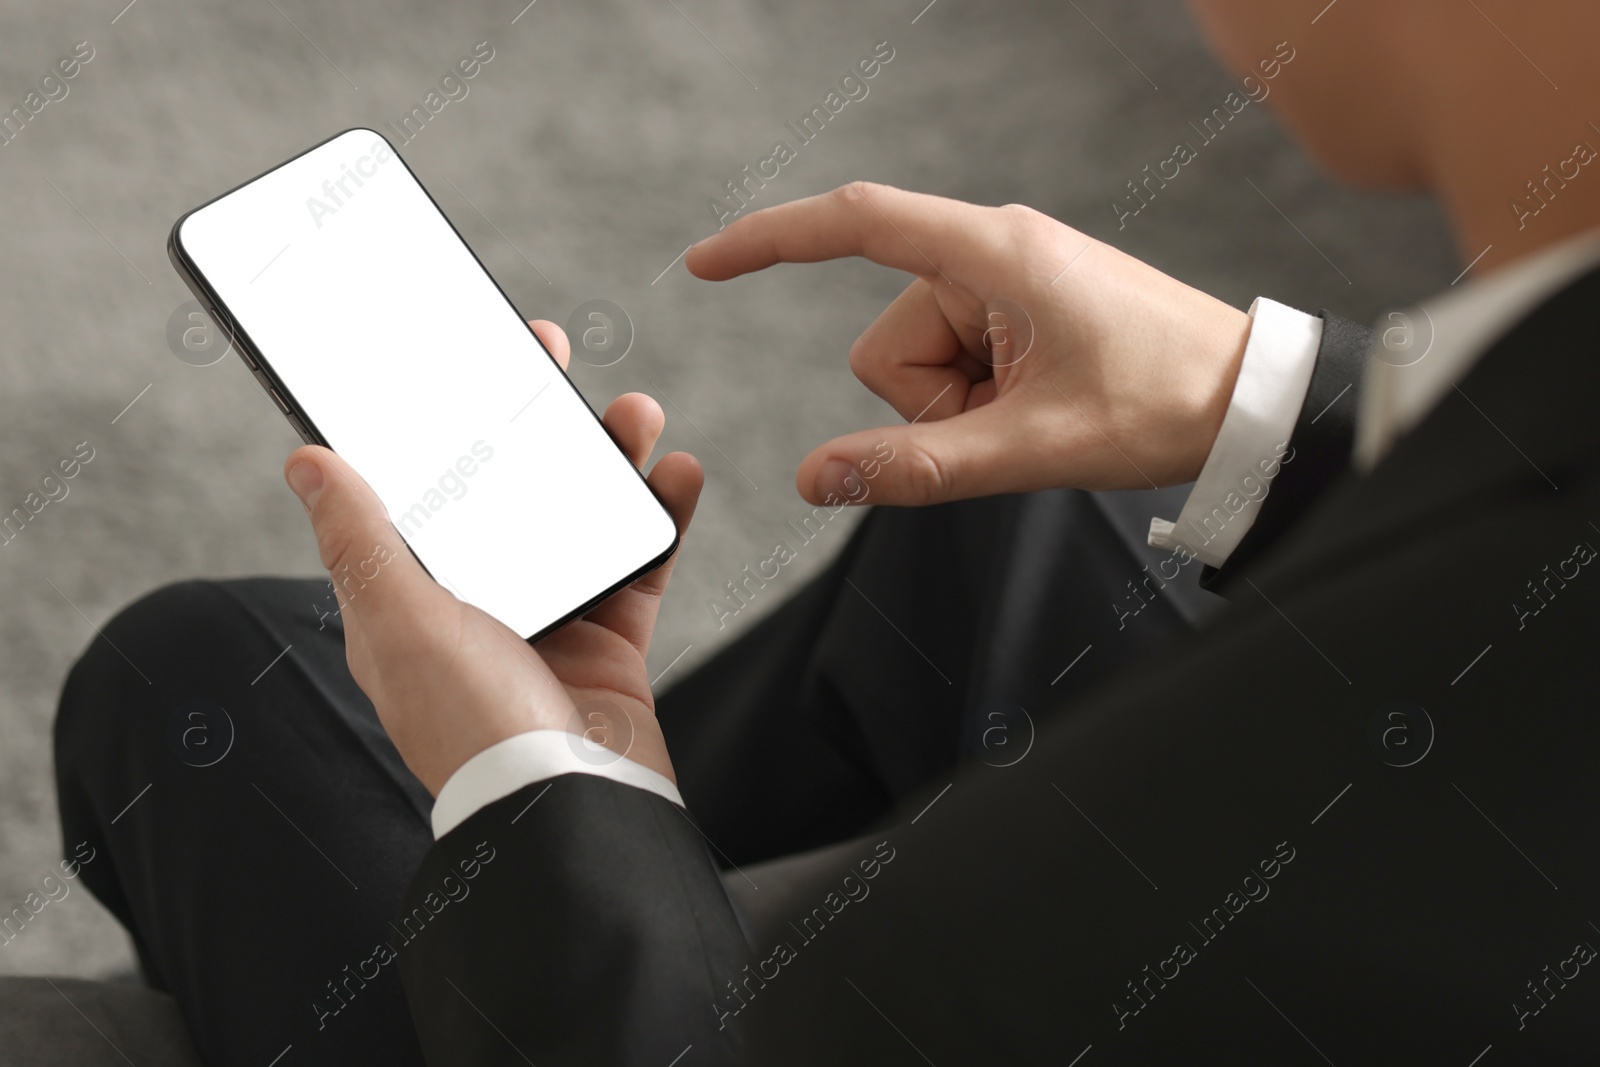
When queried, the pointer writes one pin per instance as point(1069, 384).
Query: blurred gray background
point(591, 142)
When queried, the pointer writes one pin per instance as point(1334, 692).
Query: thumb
point(373, 571)
point(972, 454)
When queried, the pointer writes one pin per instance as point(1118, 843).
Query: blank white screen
point(414, 367)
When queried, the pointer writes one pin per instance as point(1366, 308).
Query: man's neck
point(1517, 168)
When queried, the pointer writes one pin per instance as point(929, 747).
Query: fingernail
point(305, 479)
point(834, 480)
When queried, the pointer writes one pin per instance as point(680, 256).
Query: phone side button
point(282, 406)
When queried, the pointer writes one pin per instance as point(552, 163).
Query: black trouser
point(253, 828)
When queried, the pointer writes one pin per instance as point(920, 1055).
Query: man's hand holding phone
point(447, 680)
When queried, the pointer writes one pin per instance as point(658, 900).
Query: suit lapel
point(1521, 422)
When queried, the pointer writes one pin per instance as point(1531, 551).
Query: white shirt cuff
point(1253, 443)
point(509, 765)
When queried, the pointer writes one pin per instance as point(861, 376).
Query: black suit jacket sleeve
point(577, 921)
point(1320, 446)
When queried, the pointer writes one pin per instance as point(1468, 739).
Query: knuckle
point(861, 359)
point(857, 193)
point(335, 542)
point(1024, 222)
point(928, 479)
point(851, 193)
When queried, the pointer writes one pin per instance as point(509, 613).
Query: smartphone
point(379, 333)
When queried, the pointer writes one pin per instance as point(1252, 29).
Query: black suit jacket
point(1349, 823)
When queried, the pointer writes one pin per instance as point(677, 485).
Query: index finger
point(924, 235)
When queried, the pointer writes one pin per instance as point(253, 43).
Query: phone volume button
point(283, 405)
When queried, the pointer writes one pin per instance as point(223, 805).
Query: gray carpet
point(590, 143)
